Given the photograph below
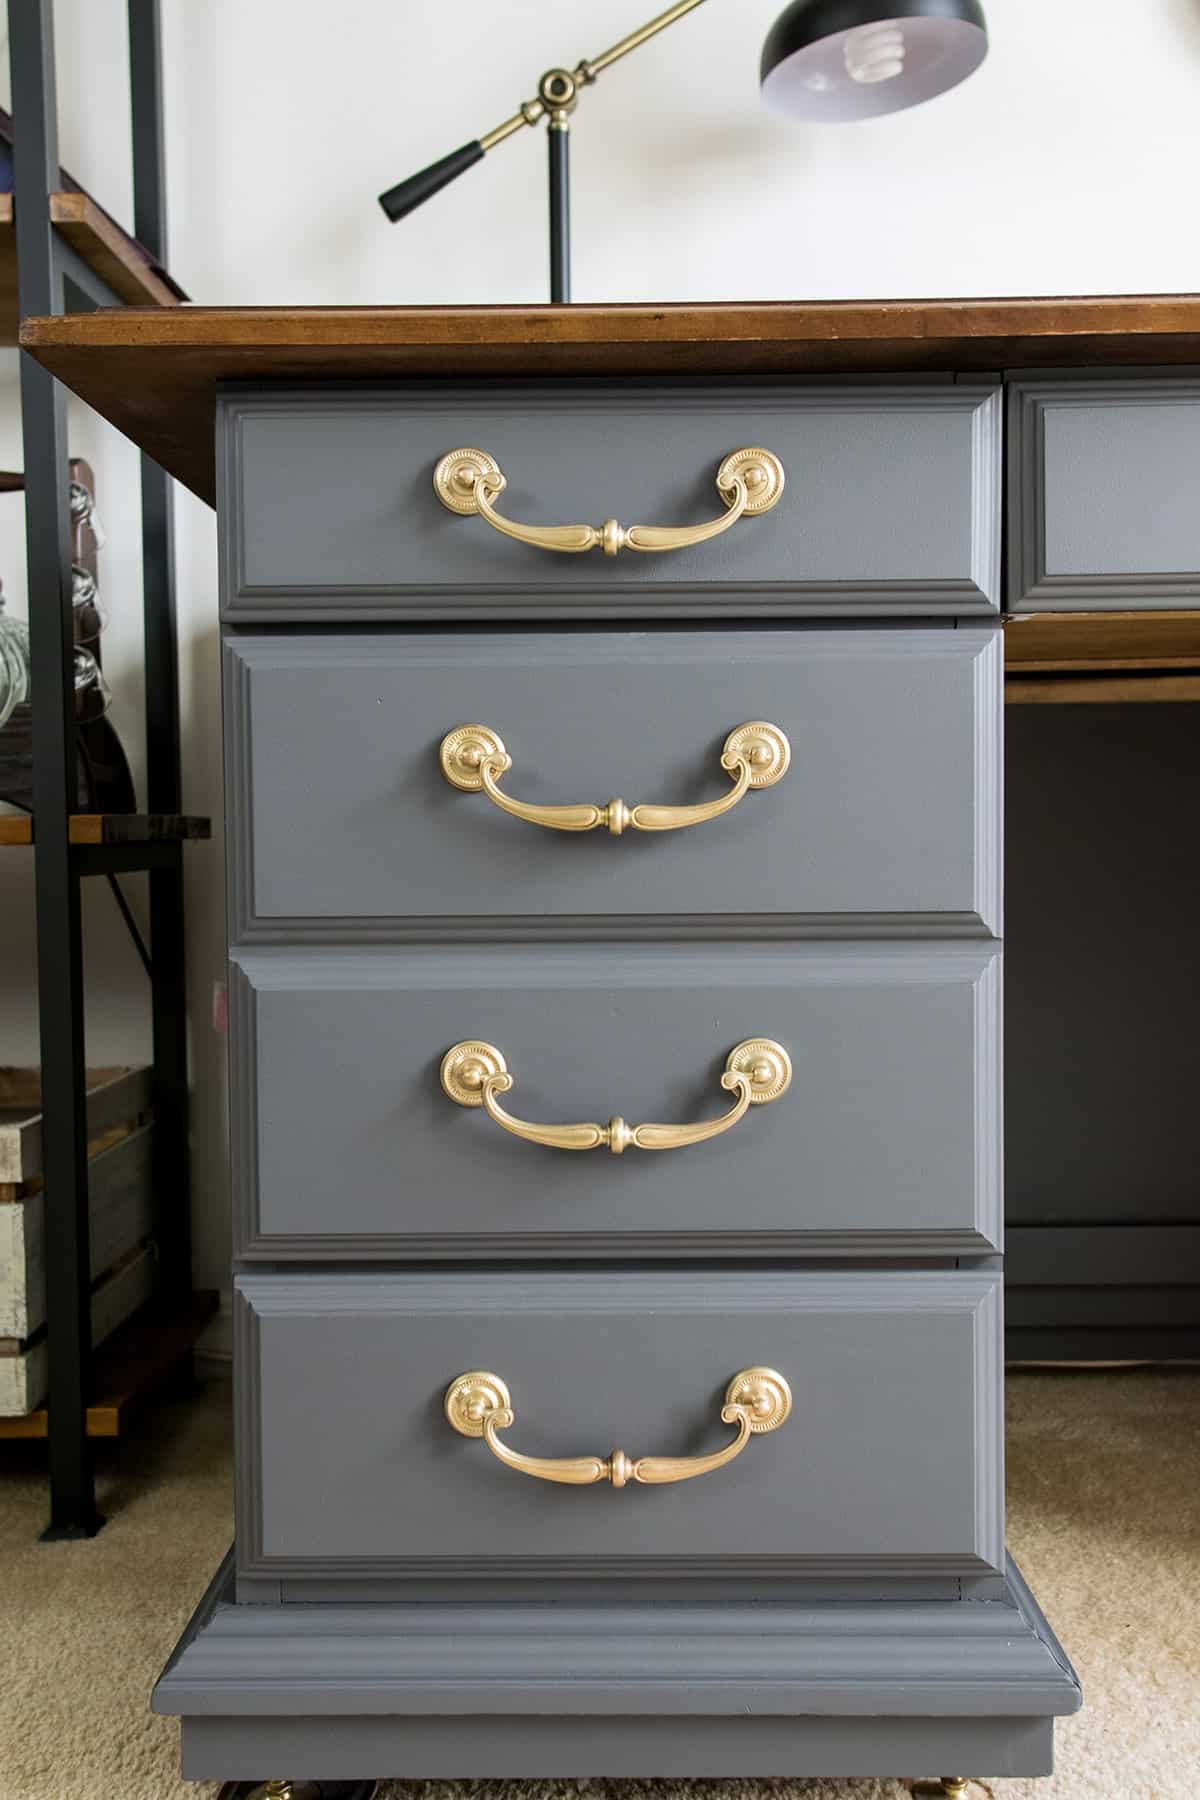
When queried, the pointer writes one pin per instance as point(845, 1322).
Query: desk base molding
point(539, 1689)
point(482, 1747)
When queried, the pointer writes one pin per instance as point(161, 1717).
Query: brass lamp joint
point(558, 92)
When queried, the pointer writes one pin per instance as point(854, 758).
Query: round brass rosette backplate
point(464, 751)
point(763, 746)
point(763, 1394)
point(474, 1397)
point(458, 475)
point(762, 473)
point(465, 1068)
point(766, 1063)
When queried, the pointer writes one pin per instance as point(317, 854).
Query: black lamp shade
point(833, 60)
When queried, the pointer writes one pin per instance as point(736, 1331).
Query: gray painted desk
point(443, 1325)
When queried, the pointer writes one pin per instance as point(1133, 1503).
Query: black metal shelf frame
point(52, 278)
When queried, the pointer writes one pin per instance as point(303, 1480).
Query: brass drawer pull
point(474, 1073)
point(749, 482)
point(473, 757)
point(478, 1404)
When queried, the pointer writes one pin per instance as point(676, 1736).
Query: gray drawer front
point(342, 820)
point(887, 1139)
point(1105, 494)
point(891, 503)
point(889, 1463)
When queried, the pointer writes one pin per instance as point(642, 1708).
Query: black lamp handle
point(407, 195)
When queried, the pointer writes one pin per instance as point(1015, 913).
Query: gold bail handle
point(754, 756)
point(475, 1073)
point(479, 1405)
point(469, 481)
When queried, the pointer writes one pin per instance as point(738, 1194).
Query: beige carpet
point(1104, 1516)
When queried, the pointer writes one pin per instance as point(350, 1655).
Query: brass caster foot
point(954, 1786)
point(297, 1790)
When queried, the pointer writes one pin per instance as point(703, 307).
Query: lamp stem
point(558, 139)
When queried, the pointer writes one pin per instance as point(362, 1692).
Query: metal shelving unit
point(73, 257)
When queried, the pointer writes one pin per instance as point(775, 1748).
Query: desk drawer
point(890, 501)
point(347, 1144)
point(1104, 485)
point(342, 817)
point(888, 1462)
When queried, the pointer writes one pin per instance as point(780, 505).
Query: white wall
point(1066, 165)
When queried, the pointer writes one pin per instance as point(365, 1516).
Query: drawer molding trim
point(1031, 586)
point(604, 928)
point(261, 972)
point(261, 1297)
point(247, 658)
point(596, 594)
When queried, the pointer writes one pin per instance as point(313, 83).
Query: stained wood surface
point(113, 828)
point(154, 373)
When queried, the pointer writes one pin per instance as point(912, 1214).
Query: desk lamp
point(823, 61)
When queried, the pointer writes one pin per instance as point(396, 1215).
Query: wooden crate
point(114, 1097)
point(140, 1359)
point(120, 1145)
point(24, 1368)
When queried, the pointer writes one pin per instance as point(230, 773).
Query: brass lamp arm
point(562, 98)
point(557, 93)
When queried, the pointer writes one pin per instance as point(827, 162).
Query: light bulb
point(833, 60)
point(874, 53)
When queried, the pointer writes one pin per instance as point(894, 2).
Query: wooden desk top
point(154, 373)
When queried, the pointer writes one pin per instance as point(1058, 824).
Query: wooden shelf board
point(130, 1366)
point(154, 373)
point(1084, 690)
point(1084, 642)
point(118, 259)
point(1074, 659)
point(109, 252)
point(113, 828)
